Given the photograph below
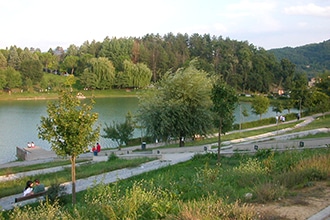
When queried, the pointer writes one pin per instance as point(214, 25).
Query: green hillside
point(311, 58)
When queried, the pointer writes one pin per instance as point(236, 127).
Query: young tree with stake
point(69, 129)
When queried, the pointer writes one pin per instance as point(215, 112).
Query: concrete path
point(322, 215)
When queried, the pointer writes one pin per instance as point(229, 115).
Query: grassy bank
point(208, 191)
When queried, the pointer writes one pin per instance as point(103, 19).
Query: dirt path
point(302, 205)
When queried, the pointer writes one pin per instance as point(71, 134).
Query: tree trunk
point(73, 178)
point(219, 139)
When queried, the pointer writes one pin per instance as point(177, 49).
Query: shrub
point(112, 157)
point(55, 193)
point(306, 170)
point(206, 174)
point(205, 158)
point(287, 160)
point(249, 172)
point(135, 203)
point(268, 191)
point(213, 208)
point(318, 166)
point(44, 211)
point(251, 166)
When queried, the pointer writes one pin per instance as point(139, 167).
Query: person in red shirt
point(96, 149)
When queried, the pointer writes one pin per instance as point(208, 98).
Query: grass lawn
point(19, 169)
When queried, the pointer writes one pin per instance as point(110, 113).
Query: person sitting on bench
point(39, 187)
point(28, 188)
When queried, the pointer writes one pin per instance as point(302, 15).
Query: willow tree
point(224, 102)
point(179, 105)
point(100, 74)
point(70, 129)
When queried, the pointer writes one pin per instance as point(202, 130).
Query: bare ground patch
point(302, 204)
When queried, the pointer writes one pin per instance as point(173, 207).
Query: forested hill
point(310, 58)
point(137, 62)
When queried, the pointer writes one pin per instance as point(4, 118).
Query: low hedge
point(265, 121)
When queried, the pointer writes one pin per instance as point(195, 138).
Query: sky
point(268, 24)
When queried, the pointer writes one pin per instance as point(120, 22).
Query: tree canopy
point(239, 63)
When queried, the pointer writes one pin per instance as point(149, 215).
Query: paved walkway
point(7, 203)
point(171, 156)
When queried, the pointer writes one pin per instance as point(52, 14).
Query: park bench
point(36, 195)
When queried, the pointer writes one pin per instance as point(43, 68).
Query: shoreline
point(53, 96)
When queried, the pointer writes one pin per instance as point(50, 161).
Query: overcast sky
point(269, 24)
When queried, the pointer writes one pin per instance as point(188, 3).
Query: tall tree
point(245, 63)
point(26, 54)
point(287, 73)
point(32, 69)
point(70, 63)
point(83, 63)
point(224, 102)
point(69, 127)
point(324, 83)
point(3, 81)
point(260, 105)
point(318, 102)
point(153, 54)
point(176, 47)
point(13, 58)
point(100, 72)
point(179, 106)
point(60, 53)
point(134, 75)
point(3, 61)
point(13, 78)
point(72, 50)
point(201, 47)
point(278, 107)
point(300, 92)
point(117, 50)
point(49, 61)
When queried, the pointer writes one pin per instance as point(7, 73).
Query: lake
point(20, 119)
